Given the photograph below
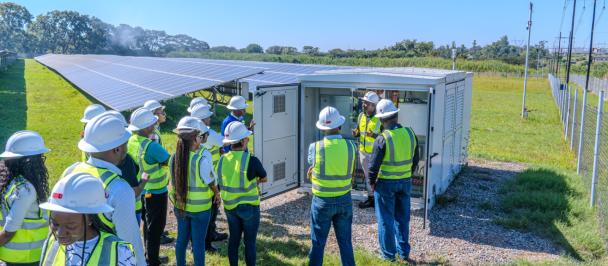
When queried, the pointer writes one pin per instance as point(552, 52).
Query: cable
point(580, 18)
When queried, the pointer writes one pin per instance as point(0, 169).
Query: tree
point(275, 49)
point(337, 53)
point(310, 50)
point(13, 24)
point(254, 48)
point(224, 49)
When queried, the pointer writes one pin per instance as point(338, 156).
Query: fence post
point(567, 121)
point(579, 154)
point(573, 120)
point(596, 150)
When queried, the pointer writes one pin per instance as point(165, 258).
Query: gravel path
point(459, 231)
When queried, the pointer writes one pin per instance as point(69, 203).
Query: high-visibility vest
point(106, 176)
point(199, 194)
point(235, 187)
point(83, 156)
point(104, 252)
point(26, 244)
point(137, 147)
point(366, 143)
point(157, 132)
point(215, 154)
point(333, 167)
point(397, 162)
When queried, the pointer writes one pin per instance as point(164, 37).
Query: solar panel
point(126, 82)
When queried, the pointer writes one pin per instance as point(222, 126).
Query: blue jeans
point(138, 217)
point(323, 213)
point(243, 220)
point(191, 226)
point(392, 199)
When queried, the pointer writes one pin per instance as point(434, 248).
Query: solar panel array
point(125, 82)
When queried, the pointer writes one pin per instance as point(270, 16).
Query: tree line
point(69, 32)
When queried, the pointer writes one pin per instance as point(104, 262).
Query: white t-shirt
point(125, 256)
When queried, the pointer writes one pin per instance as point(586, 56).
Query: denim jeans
point(244, 220)
point(191, 226)
point(392, 199)
point(323, 213)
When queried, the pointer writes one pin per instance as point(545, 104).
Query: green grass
point(548, 198)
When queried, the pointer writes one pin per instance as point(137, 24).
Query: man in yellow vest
point(153, 160)
point(368, 128)
point(238, 176)
point(77, 237)
point(105, 140)
point(332, 161)
point(214, 145)
point(393, 160)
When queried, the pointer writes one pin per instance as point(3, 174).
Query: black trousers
point(154, 218)
point(212, 229)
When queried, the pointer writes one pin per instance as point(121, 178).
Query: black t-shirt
point(129, 171)
point(255, 169)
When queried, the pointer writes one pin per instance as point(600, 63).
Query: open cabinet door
point(276, 113)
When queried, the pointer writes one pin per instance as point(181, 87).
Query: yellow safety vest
point(106, 176)
point(157, 132)
point(26, 244)
point(235, 187)
point(366, 143)
point(199, 194)
point(333, 167)
point(104, 252)
point(215, 154)
point(137, 147)
point(397, 162)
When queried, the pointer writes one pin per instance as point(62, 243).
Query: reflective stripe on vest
point(397, 162)
point(366, 143)
point(199, 195)
point(104, 252)
point(106, 176)
point(137, 147)
point(26, 245)
point(235, 187)
point(160, 139)
point(333, 167)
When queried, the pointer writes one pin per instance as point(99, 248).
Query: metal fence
point(586, 131)
point(6, 59)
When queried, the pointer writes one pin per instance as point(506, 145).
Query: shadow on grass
point(536, 200)
point(13, 102)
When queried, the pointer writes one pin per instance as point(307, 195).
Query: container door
point(276, 113)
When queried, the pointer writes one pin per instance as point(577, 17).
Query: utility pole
point(570, 46)
point(559, 50)
point(524, 111)
point(590, 58)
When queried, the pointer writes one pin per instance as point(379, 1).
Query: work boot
point(369, 203)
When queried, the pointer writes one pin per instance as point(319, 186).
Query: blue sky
point(343, 24)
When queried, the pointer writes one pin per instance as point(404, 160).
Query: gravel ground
point(459, 231)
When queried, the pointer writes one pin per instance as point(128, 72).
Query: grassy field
point(548, 199)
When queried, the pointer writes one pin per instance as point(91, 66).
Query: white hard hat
point(237, 103)
point(330, 118)
point(142, 118)
point(24, 143)
point(371, 97)
point(196, 101)
point(78, 193)
point(103, 133)
point(189, 123)
point(117, 115)
point(152, 105)
point(201, 111)
point(92, 111)
point(385, 108)
point(235, 132)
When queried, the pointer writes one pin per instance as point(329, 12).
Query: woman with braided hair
point(23, 185)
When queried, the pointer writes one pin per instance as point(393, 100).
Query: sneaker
point(163, 259)
point(165, 239)
point(369, 203)
point(219, 237)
